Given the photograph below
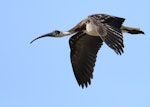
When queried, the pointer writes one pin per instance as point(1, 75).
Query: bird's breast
point(91, 29)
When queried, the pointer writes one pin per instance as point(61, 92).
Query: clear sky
point(40, 74)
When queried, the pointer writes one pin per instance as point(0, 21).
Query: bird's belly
point(91, 30)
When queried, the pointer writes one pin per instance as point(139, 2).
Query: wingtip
point(85, 84)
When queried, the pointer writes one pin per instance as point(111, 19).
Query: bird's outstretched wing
point(109, 28)
point(84, 50)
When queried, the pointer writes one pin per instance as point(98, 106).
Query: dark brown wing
point(80, 26)
point(84, 50)
point(109, 29)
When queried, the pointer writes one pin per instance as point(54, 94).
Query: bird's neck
point(66, 33)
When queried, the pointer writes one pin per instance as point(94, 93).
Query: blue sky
point(40, 75)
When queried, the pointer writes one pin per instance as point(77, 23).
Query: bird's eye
point(57, 32)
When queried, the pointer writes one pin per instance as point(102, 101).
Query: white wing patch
point(91, 29)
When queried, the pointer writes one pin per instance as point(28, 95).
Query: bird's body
point(88, 36)
point(90, 30)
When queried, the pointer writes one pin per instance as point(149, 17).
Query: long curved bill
point(45, 35)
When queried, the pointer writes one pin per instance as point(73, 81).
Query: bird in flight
point(87, 38)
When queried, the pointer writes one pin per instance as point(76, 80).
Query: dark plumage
point(88, 37)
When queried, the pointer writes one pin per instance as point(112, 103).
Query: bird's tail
point(131, 30)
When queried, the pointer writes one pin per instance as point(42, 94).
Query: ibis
point(86, 39)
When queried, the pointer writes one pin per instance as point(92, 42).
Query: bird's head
point(55, 33)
